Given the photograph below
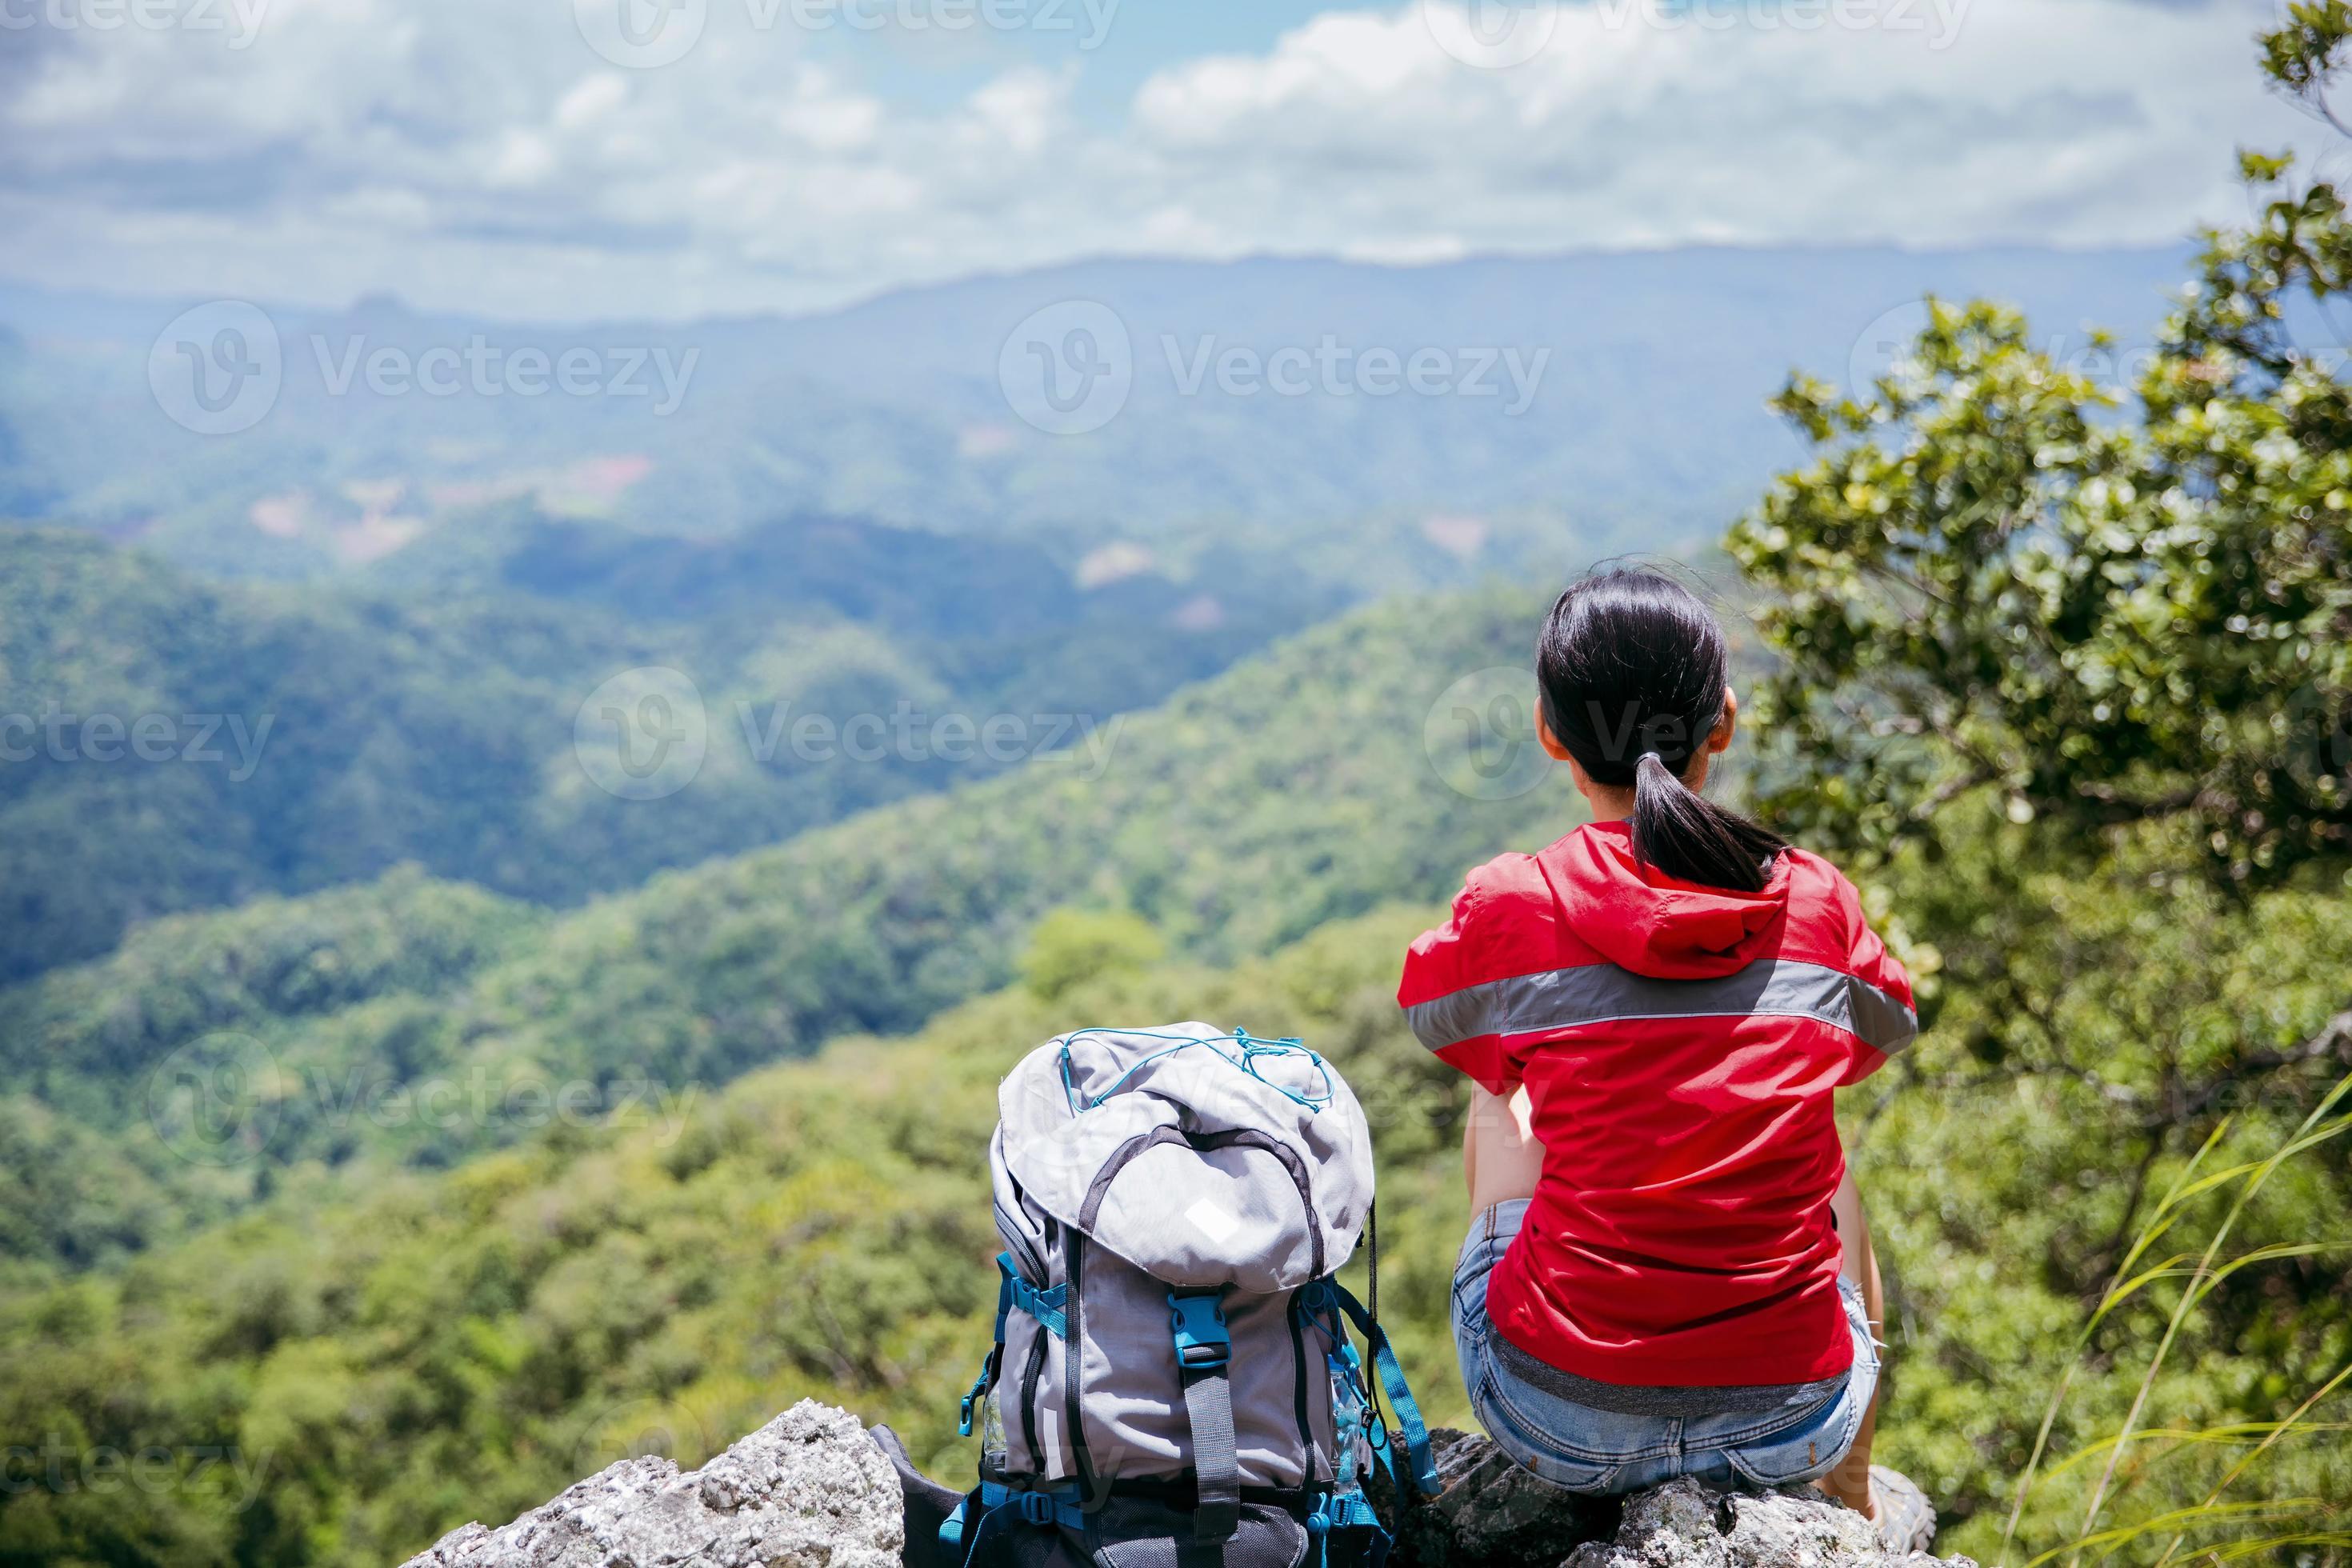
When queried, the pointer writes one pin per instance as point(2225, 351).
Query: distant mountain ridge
point(1259, 413)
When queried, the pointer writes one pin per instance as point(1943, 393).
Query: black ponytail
point(1631, 669)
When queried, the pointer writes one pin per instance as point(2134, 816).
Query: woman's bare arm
point(1500, 1157)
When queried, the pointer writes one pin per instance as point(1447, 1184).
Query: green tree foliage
point(269, 962)
point(366, 1026)
point(1988, 581)
point(2104, 623)
point(365, 1372)
point(318, 737)
point(2095, 1024)
point(1074, 945)
point(81, 1173)
point(2074, 665)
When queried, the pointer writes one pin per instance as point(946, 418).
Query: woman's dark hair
point(1631, 667)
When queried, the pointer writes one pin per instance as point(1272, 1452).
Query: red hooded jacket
point(1679, 1044)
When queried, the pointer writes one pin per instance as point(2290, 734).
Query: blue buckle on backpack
point(960, 1532)
point(1197, 1320)
point(1322, 1302)
point(1341, 1510)
point(1045, 1306)
point(979, 1392)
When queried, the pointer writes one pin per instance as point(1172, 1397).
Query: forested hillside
point(1299, 788)
point(92, 1053)
point(465, 1343)
point(172, 743)
point(364, 1374)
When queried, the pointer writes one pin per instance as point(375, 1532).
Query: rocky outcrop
point(809, 1490)
point(1686, 1525)
point(1493, 1514)
point(813, 1490)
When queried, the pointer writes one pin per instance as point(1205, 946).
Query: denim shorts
point(1602, 1452)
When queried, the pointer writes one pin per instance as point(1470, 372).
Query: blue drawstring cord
point(1251, 1049)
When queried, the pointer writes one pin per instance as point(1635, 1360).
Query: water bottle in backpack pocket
point(1173, 1370)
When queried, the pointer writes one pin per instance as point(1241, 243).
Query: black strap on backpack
point(1205, 1348)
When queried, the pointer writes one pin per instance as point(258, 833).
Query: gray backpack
point(1175, 1202)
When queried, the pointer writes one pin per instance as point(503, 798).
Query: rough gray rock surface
point(807, 1490)
point(1491, 1513)
point(812, 1490)
point(1683, 1524)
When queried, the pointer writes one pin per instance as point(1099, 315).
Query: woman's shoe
point(1906, 1520)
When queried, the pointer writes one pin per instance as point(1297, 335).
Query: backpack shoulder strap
point(1012, 1291)
point(1392, 1382)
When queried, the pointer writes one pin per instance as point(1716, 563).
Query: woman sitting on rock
point(1668, 1272)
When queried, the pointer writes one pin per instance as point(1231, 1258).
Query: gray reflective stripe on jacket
point(1556, 1000)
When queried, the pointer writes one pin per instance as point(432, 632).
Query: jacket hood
point(1641, 919)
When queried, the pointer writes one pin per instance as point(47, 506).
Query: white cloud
point(1022, 109)
point(481, 157)
point(817, 112)
point(596, 95)
point(523, 158)
point(2045, 120)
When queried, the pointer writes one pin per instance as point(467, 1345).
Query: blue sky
point(585, 158)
